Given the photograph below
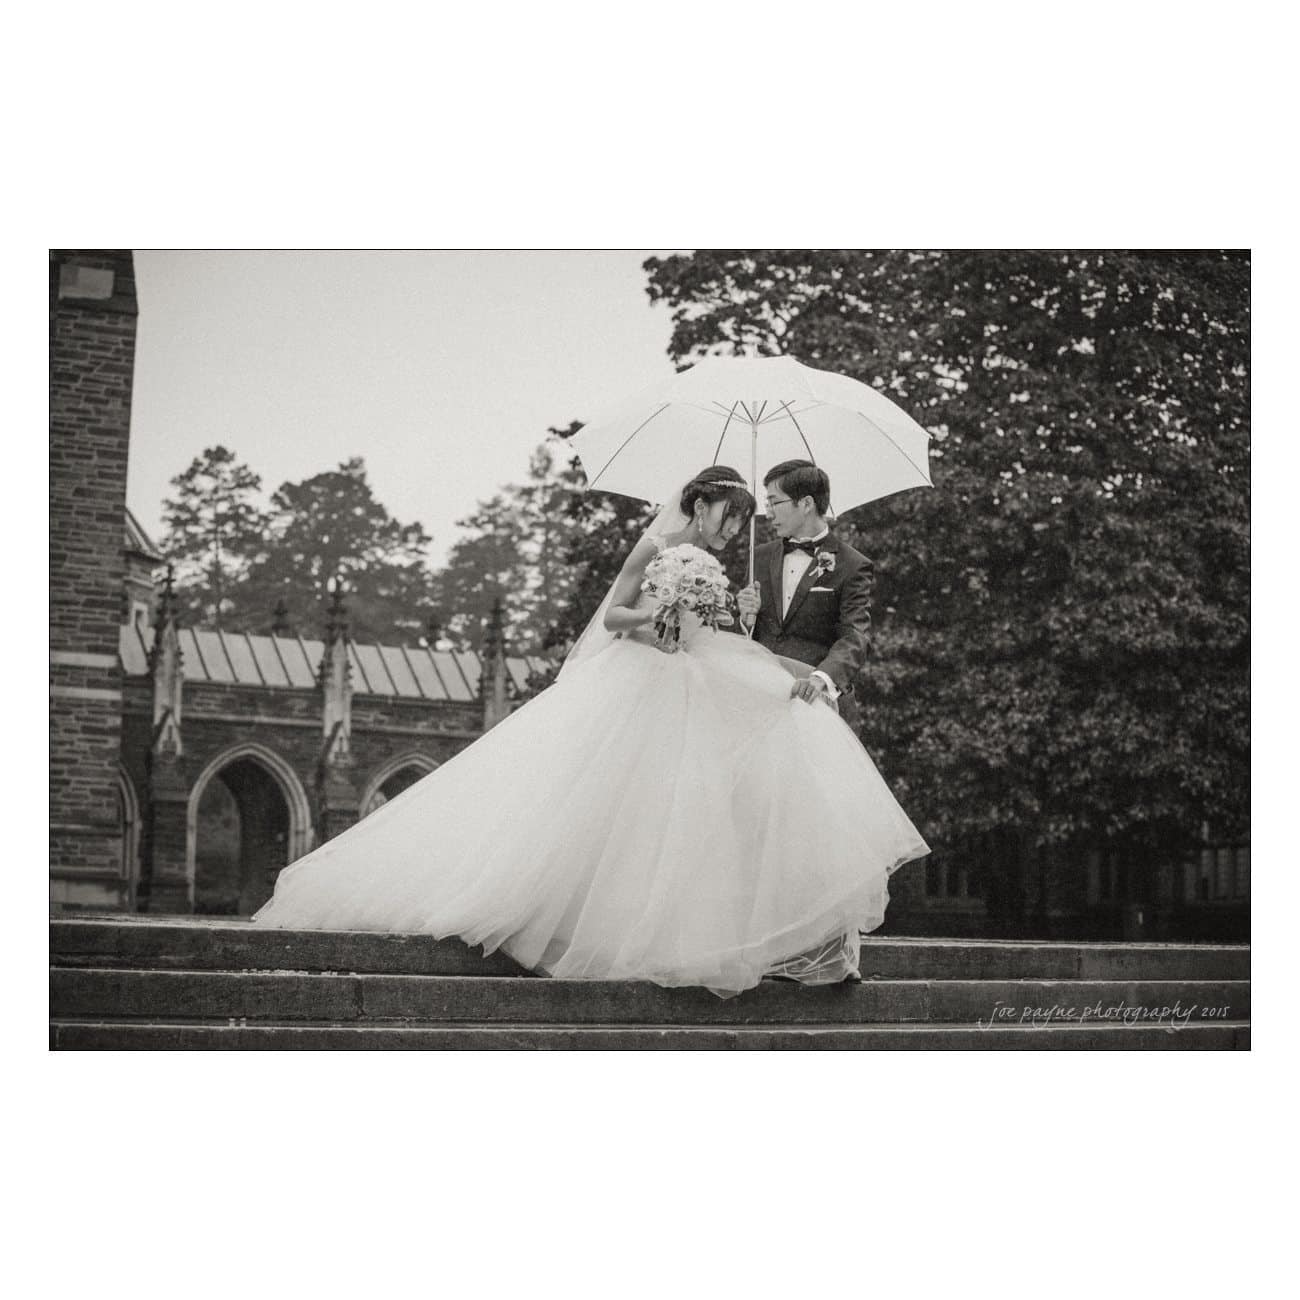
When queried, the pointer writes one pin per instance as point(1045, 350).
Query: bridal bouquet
point(685, 579)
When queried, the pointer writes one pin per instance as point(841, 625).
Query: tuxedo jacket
point(829, 620)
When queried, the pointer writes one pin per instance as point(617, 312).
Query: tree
point(1061, 636)
point(602, 528)
point(331, 525)
point(547, 547)
point(518, 550)
point(214, 527)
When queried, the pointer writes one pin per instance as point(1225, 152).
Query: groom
point(811, 600)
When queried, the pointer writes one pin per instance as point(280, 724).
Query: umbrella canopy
point(752, 413)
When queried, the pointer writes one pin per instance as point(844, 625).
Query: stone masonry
point(92, 349)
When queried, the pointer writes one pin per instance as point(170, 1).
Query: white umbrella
point(752, 411)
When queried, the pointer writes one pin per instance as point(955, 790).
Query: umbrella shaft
point(753, 487)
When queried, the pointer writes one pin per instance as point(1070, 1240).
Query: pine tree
point(330, 525)
point(526, 546)
point(214, 530)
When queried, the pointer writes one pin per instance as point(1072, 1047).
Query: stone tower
point(92, 360)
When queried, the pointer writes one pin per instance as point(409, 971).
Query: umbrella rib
point(592, 483)
point(798, 426)
point(925, 474)
point(785, 411)
point(717, 451)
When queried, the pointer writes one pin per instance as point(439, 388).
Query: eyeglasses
point(778, 501)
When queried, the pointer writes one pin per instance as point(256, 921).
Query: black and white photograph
point(652, 674)
point(623, 650)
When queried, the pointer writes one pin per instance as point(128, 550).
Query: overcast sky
point(442, 370)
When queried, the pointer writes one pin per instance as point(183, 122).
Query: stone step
point(92, 993)
point(185, 943)
point(118, 1036)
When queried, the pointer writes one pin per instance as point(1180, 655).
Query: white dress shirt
point(796, 564)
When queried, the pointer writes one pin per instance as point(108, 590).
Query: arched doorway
point(393, 778)
point(248, 818)
point(241, 841)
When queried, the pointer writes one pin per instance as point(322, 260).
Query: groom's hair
point(719, 483)
point(801, 478)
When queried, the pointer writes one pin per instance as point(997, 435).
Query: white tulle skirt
point(672, 818)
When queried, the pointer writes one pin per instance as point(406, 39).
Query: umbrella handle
point(749, 629)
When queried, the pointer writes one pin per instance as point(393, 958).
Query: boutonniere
point(825, 562)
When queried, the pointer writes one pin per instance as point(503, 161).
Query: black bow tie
point(788, 544)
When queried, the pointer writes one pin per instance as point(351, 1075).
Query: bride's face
point(716, 527)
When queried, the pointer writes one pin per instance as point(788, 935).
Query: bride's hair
point(719, 483)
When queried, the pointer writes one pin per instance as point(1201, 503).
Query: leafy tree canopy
point(1061, 639)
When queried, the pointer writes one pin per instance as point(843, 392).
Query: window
point(1225, 860)
point(1222, 873)
point(934, 876)
point(945, 879)
point(85, 282)
point(1103, 876)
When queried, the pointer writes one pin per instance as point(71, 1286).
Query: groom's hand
point(809, 689)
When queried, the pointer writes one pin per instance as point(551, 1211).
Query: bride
point(672, 817)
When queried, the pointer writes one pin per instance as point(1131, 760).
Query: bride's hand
point(642, 631)
point(627, 618)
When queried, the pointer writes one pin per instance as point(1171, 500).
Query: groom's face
point(788, 516)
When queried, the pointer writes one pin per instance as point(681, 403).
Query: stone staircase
point(192, 983)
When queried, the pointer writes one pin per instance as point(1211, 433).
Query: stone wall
point(92, 357)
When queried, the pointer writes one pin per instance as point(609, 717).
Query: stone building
point(188, 766)
point(242, 752)
point(236, 753)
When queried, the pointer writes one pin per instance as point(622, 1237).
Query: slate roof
point(137, 540)
point(408, 672)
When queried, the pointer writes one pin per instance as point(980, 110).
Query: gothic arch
point(295, 798)
point(130, 836)
point(390, 769)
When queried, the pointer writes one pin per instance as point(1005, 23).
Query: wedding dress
point(676, 818)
